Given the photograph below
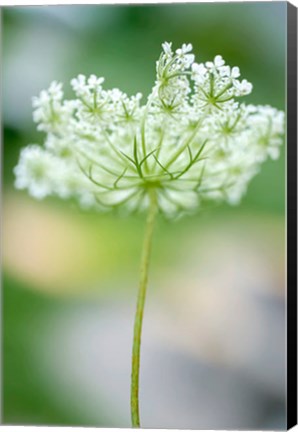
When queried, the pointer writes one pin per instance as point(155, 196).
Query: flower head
point(193, 140)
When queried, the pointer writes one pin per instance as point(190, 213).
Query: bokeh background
point(213, 350)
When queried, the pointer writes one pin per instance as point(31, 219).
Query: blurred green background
point(214, 334)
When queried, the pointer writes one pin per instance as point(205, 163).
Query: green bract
point(191, 141)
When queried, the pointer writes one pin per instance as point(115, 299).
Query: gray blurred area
point(88, 359)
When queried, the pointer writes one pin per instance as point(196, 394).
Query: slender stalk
point(181, 149)
point(134, 396)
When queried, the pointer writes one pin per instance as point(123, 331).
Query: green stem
point(134, 396)
point(181, 149)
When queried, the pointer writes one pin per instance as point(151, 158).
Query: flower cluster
point(191, 141)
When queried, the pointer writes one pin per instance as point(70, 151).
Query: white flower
point(186, 48)
point(51, 113)
point(185, 58)
point(79, 85)
point(216, 64)
point(243, 88)
point(35, 171)
point(167, 48)
point(192, 141)
point(95, 82)
point(218, 61)
point(235, 73)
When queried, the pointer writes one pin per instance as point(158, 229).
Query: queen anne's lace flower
point(191, 141)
